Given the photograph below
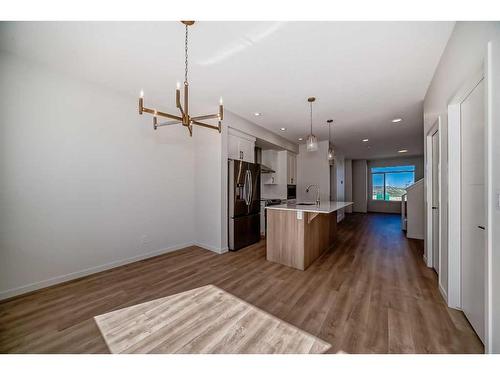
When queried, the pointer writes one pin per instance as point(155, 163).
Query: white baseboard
point(88, 271)
point(443, 293)
point(211, 248)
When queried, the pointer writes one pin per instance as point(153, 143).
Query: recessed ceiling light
point(257, 113)
point(282, 129)
point(403, 151)
point(365, 140)
point(397, 120)
point(300, 139)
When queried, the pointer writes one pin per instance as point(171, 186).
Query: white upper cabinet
point(241, 146)
point(270, 159)
point(291, 168)
point(284, 163)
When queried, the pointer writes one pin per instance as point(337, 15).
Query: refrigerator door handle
point(250, 194)
point(245, 189)
point(249, 188)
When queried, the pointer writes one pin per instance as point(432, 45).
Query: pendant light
point(312, 141)
point(184, 116)
point(331, 151)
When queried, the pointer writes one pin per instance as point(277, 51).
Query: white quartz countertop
point(325, 207)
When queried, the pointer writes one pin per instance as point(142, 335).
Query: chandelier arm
point(205, 117)
point(161, 114)
point(181, 110)
point(205, 125)
point(166, 123)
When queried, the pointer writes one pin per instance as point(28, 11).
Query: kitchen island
point(297, 234)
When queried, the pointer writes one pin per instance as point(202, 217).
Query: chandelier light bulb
point(221, 101)
point(178, 86)
point(141, 94)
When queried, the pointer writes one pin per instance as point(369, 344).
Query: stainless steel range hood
point(258, 160)
point(265, 169)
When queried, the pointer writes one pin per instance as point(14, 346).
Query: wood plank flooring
point(203, 320)
point(370, 293)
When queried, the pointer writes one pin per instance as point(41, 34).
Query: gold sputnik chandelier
point(185, 118)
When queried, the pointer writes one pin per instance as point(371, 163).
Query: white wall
point(86, 183)
point(207, 189)
point(359, 185)
point(313, 168)
point(493, 77)
point(462, 58)
point(348, 183)
point(385, 206)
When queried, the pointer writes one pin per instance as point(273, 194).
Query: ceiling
point(363, 74)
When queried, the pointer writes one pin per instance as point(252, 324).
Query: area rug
point(202, 320)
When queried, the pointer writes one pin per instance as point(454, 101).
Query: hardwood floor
point(203, 320)
point(370, 293)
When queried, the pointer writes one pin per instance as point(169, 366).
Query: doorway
point(473, 213)
point(435, 201)
point(435, 208)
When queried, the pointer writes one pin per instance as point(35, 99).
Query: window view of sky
point(390, 183)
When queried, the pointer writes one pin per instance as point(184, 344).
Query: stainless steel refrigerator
point(244, 204)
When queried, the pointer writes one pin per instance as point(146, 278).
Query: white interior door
point(473, 213)
point(435, 201)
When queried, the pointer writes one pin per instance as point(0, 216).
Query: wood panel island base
point(298, 234)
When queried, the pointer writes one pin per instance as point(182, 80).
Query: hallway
point(370, 293)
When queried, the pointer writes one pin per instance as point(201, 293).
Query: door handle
point(481, 227)
point(250, 181)
point(247, 188)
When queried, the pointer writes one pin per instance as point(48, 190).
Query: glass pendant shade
point(331, 154)
point(331, 151)
point(312, 143)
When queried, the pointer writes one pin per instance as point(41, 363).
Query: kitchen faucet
point(317, 197)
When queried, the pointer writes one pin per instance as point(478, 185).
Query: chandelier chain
point(186, 56)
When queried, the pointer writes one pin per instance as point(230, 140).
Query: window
point(390, 183)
